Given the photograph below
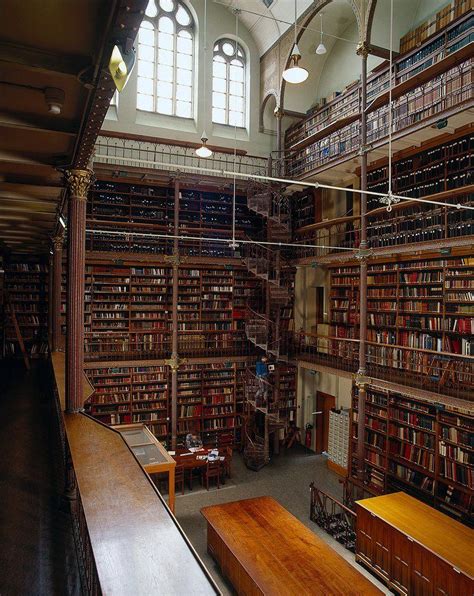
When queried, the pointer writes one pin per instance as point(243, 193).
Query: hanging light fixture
point(294, 73)
point(321, 49)
point(203, 150)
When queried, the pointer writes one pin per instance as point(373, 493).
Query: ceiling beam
point(43, 60)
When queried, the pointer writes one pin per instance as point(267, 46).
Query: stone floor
point(286, 478)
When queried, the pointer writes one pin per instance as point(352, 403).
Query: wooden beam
point(43, 60)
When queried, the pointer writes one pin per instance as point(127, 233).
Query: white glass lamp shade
point(203, 150)
point(295, 74)
point(321, 49)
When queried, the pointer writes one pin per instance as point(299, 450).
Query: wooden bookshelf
point(422, 304)
point(445, 167)
point(433, 78)
point(26, 283)
point(418, 447)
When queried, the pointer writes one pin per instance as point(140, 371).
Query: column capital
point(57, 241)
point(78, 182)
point(362, 49)
point(278, 113)
point(175, 362)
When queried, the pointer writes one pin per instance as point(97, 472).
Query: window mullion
point(227, 94)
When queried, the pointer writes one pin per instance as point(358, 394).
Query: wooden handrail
point(120, 517)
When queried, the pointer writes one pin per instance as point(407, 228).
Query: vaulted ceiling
point(267, 21)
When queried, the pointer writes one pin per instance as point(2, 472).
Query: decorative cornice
point(78, 182)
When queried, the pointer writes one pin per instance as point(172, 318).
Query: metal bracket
point(175, 362)
point(175, 260)
point(361, 380)
point(364, 254)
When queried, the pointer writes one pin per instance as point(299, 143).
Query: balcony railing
point(334, 517)
point(438, 372)
point(408, 223)
point(156, 346)
point(118, 151)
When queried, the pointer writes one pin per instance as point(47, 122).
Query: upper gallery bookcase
point(429, 81)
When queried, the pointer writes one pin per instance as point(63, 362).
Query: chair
point(212, 470)
point(179, 478)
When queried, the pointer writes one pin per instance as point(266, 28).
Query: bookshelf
point(26, 283)
point(435, 77)
point(149, 208)
point(441, 168)
point(417, 447)
point(128, 394)
point(425, 304)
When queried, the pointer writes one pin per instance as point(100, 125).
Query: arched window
point(165, 59)
point(228, 83)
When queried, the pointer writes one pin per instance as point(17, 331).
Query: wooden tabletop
point(188, 460)
point(138, 547)
point(280, 554)
point(446, 537)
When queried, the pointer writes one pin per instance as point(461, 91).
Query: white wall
point(221, 23)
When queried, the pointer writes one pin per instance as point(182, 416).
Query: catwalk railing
point(333, 517)
point(408, 223)
point(129, 346)
point(118, 151)
point(439, 372)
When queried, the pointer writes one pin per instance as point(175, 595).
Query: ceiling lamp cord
point(390, 199)
point(203, 150)
point(233, 244)
point(321, 49)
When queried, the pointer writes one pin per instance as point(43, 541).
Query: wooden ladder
point(19, 336)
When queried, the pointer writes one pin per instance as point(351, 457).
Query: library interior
point(237, 297)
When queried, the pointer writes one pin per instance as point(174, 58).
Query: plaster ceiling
point(260, 20)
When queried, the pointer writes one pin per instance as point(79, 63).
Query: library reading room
point(236, 289)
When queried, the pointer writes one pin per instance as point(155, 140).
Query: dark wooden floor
point(37, 553)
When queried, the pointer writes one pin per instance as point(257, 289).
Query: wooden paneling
point(414, 548)
point(138, 547)
point(263, 549)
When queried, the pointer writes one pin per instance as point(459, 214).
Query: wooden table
point(413, 547)
point(263, 549)
point(190, 461)
point(151, 454)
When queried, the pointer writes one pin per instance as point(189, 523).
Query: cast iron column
point(78, 182)
point(363, 249)
point(174, 314)
point(56, 290)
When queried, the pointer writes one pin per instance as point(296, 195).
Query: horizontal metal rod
point(207, 239)
point(229, 173)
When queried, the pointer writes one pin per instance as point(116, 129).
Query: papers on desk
point(172, 452)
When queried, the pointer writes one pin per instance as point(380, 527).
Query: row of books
point(412, 453)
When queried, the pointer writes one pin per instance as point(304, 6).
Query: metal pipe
point(363, 246)
point(174, 338)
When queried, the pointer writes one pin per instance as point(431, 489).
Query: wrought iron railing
point(333, 517)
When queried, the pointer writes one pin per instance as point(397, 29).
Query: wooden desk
point(190, 461)
point(151, 454)
point(263, 549)
point(415, 548)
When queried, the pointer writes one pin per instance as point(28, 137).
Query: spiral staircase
point(266, 262)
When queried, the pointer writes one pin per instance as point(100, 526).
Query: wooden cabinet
point(400, 561)
point(415, 549)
